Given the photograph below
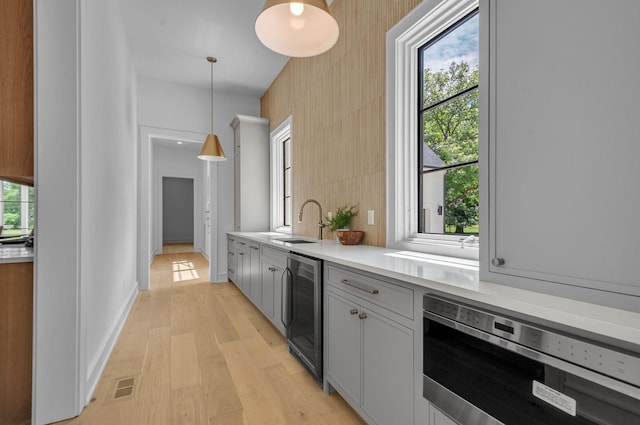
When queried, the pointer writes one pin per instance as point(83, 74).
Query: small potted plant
point(339, 223)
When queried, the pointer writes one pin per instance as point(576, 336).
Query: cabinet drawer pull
point(241, 253)
point(231, 253)
point(272, 269)
point(253, 247)
point(232, 240)
point(241, 243)
point(231, 271)
point(359, 286)
point(354, 311)
point(498, 261)
point(362, 316)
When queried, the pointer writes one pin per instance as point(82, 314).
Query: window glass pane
point(287, 182)
point(287, 211)
point(450, 63)
point(286, 149)
point(451, 132)
point(448, 149)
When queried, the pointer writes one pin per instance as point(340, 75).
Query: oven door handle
point(286, 296)
point(597, 378)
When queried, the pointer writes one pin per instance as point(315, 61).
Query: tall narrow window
point(281, 178)
point(448, 191)
point(286, 190)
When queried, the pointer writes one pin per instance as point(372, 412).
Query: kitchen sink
point(295, 240)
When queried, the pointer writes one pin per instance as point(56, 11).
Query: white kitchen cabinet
point(559, 112)
point(251, 172)
point(368, 349)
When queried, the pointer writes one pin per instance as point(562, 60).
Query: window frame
point(425, 22)
point(276, 153)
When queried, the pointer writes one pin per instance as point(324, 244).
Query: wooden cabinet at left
point(16, 89)
point(16, 336)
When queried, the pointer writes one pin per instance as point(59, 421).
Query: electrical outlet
point(370, 219)
point(329, 215)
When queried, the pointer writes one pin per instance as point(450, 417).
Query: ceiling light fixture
point(212, 150)
point(299, 29)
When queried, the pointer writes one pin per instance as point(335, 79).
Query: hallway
point(192, 352)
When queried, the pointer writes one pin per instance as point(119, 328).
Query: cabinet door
point(277, 300)
point(343, 361)
point(387, 353)
point(562, 152)
point(255, 292)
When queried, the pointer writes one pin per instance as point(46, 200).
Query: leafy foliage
point(342, 217)
point(451, 131)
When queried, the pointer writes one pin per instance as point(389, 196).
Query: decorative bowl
point(350, 237)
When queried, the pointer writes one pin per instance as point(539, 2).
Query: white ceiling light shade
point(212, 150)
point(298, 29)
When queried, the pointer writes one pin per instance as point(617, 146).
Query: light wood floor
point(201, 353)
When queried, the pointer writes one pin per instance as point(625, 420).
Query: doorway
point(177, 212)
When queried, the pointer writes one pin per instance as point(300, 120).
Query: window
point(448, 131)
point(16, 208)
point(281, 178)
point(432, 129)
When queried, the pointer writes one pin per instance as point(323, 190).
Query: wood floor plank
point(185, 371)
point(218, 387)
point(222, 327)
point(258, 402)
point(188, 406)
point(153, 397)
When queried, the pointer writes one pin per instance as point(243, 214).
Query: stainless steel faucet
point(320, 223)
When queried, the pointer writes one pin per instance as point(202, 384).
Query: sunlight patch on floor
point(184, 270)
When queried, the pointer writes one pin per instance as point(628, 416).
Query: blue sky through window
point(459, 45)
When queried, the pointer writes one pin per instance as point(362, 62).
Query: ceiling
point(170, 40)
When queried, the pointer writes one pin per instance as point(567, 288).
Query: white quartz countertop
point(460, 278)
point(15, 254)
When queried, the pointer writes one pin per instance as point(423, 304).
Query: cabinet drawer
point(385, 294)
point(242, 245)
point(274, 254)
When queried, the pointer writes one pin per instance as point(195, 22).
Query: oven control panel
point(587, 354)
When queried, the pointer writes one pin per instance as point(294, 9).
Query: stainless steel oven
point(302, 310)
point(485, 368)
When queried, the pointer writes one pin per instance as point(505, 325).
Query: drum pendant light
point(299, 29)
point(212, 150)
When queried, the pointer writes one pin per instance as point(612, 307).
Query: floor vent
point(124, 388)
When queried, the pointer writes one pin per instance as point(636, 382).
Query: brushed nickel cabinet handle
point(497, 261)
point(253, 247)
point(241, 253)
point(231, 253)
point(241, 243)
point(359, 286)
point(362, 316)
point(354, 311)
point(272, 269)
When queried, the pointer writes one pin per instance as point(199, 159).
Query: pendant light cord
point(211, 97)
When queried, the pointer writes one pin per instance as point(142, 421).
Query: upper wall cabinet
point(560, 109)
point(16, 90)
point(251, 168)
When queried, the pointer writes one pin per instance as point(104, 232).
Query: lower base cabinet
point(369, 359)
point(271, 293)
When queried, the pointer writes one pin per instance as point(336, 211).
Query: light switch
point(370, 219)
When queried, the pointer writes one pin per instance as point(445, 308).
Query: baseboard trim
point(97, 365)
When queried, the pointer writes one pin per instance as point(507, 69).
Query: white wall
point(169, 108)
point(86, 199)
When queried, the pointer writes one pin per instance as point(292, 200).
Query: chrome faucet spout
point(321, 225)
